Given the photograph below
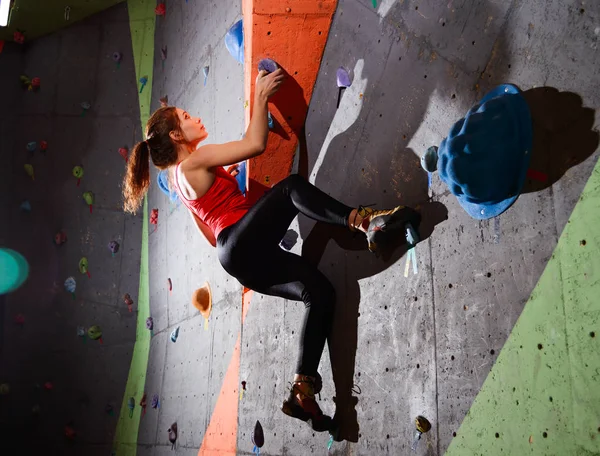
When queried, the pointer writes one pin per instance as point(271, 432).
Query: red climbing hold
point(160, 10)
point(128, 301)
point(123, 152)
point(19, 37)
point(143, 404)
point(154, 218)
point(70, 432)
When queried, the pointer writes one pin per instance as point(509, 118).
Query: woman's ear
point(175, 136)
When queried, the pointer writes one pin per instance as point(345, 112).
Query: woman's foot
point(301, 403)
point(383, 226)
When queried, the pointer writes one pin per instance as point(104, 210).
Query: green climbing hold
point(89, 198)
point(78, 172)
point(83, 265)
point(94, 332)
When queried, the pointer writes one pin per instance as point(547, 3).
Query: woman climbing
point(247, 236)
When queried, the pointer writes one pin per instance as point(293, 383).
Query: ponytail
point(159, 146)
point(137, 177)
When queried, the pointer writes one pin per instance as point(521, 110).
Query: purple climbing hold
point(113, 246)
point(149, 323)
point(267, 65)
point(155, 403)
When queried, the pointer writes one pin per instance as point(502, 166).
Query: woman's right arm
point(255, 141)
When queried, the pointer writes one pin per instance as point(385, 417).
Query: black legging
point(249, 251)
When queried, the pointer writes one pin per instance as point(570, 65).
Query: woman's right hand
point(268, 83)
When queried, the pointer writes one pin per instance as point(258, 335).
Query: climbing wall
point(408, 339)
point(66, 388)
point(188, 374)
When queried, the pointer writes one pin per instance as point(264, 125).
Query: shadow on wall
point(364, 157)
point(563, 135)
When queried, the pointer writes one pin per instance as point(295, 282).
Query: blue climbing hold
point(163, 183)
point(234, 41)
point(241, 177)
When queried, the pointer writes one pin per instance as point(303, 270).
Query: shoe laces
point(296, 389)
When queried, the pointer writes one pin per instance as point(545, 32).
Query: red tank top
point(221, 206)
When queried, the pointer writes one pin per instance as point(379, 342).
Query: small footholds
point(60, 238)
point(172, 431)
point(70, 432)
point(124, 152)
point(113, 246)
point(154, 217)
point(131, 406)
point(582, 242)
point(128, 301)
point(143, 82)
point(540, 346)
point(160, 10)
point(422, 426)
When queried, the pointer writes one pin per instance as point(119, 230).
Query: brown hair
point(159, 146)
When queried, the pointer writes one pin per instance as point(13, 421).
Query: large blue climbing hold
point(234, 41)
point(163, 183)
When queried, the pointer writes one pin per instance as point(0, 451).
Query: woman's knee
point(293, 181)
point(322, 295)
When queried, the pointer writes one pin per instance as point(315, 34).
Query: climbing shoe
point(301, 403)
point(386, 226)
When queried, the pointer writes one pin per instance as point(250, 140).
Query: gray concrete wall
point(188, 374)
point(74, 65)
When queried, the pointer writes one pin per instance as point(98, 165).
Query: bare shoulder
point(194, 181)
